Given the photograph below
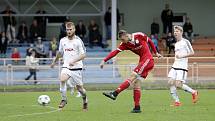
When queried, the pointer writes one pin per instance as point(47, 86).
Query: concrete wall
point(139, 14)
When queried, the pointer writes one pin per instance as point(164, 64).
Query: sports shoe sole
point(136, 111)
point(108, 95)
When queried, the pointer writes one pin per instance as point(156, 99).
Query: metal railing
point(200, 70)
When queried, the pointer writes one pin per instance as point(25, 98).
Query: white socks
point(84, 96)
point(187, 88)
point(174, 93)
point(63, 89)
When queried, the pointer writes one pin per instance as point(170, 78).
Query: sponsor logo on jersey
point(69, 49)
point(137, 41)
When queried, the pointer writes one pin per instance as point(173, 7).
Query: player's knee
point(81, 89)
point(133, 77)
point(137, 84)
point(78, 87)
point(178, 84)
point(171, 82)
point(64, 77)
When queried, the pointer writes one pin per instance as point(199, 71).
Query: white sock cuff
point(187, 88)
point(63, 88)
point(172, 89)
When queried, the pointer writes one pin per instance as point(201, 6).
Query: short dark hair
point(122, 32)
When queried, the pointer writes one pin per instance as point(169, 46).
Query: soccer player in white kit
point(178, 73)
point(73, 51)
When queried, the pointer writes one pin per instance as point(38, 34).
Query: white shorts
point(178, 74)
point(75, 76)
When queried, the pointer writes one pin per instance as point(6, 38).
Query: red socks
point(136, 91)
point(137, 95)
point(123, 86)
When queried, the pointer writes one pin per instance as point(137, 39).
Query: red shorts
point(144, 67)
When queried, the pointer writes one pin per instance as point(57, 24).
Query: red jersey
point(139, 45)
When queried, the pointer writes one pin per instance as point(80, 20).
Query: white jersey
point(71, 49)
point(182, 47)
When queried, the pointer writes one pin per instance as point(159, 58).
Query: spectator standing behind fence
point(41, 21)
point(15, 56)
point(107, 19)
point(188, 30)
point(35, 31)
point(63, 30)
point(9, 24)
point(22, 35)
point(81, 30)
point(167, 18)
point(3, 44)
point(94, 34)
point(155, 28)
point(32, 62)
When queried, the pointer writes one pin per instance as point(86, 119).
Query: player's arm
point(79, 58)
point(108, 57)
point(189, 49)
point(151, 44)
point(82, 54)
point(149, 41)
point(58, 55)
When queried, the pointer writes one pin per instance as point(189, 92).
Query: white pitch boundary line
point(32, 114)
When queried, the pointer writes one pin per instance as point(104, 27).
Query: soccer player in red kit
point(139, 44)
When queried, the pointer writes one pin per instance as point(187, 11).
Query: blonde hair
point(70, 24)
point(179, 28)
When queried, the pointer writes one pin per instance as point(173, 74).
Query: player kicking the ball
point(178, 72)
point(137, 43)
point(73, 51)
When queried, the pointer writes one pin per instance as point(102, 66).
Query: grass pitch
point(22, 106)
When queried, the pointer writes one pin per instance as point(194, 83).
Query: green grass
point(154, 103)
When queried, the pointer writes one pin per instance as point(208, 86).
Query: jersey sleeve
point(121, 47)
point(151, 44)
point(81, 48)
point(60, 49)
point(139, 35)
point(111, 55)
point(189, 47)
point(144, 37)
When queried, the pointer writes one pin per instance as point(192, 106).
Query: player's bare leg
point(84, 97)
point(113, 95)
point(63, 89)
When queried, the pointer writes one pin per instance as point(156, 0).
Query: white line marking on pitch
point(31, 114)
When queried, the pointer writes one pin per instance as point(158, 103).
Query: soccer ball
point(43, 100)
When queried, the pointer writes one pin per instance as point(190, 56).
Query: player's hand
point(102, 64)
point(52, 65)
point(71, 64)
point(178, 57)
point(159, 55)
